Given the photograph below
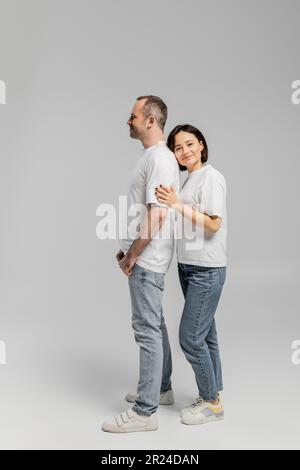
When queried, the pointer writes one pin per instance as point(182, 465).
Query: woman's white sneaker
point(202, 412)
point(130, 421)
point(198, 401)
point(166, 398)
point(190, 407)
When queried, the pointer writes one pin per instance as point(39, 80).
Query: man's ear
point(151, 120)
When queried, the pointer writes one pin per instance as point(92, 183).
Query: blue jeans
point(150, 331)
point(202, 289)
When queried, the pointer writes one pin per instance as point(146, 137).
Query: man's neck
point(151, 140)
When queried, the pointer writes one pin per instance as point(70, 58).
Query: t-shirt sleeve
point(212, 197)
point(159, 171)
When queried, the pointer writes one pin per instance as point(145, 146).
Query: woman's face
point(187, 149)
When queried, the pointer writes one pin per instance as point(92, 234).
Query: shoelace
point(199, 403)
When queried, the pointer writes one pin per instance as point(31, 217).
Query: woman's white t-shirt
point(205, 191)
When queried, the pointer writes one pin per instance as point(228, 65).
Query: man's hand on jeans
point(126, 264)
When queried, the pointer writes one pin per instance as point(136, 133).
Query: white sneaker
point(130, 421)
point(166, 398)
point(199, 400)
point(203, 412)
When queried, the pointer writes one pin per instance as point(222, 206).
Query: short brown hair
point(155, 105)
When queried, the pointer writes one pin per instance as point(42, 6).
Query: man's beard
point(134, 133)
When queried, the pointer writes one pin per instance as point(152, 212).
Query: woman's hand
point(166, 195)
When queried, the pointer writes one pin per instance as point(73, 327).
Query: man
point(145, 257)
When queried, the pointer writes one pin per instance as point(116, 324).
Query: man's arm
point(150, 226)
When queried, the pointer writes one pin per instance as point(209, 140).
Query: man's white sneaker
point(203, 412)
point(130, 421)
point(166, 398)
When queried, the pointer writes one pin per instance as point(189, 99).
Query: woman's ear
point(201, 146)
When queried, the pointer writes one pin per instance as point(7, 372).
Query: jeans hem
point(137, 411)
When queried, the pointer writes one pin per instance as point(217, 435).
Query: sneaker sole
point(124, 431)
point(211, 419)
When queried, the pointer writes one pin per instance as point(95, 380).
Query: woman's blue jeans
point(202, 289)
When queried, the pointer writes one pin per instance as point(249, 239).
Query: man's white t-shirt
point(156, 166)
point(205, 191)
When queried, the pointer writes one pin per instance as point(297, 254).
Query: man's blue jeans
point(202, 289)
point(146, 288)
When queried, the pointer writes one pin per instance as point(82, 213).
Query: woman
point(201, 203)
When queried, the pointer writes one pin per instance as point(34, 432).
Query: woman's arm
point(211, 223)
point(169, 197)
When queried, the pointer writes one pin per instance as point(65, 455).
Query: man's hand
point(126, 264)
point(120, 255)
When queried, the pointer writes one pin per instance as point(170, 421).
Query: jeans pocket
point(160, 280)
point(222, 275)
point(138, 274)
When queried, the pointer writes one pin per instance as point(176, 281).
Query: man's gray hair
point(155, 106)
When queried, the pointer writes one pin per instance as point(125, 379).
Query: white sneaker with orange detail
point(202, 412)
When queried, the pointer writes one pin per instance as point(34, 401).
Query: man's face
point(137, 121)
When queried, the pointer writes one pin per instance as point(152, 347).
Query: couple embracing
point(145, 258)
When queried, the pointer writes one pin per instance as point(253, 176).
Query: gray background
point(73, 70)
